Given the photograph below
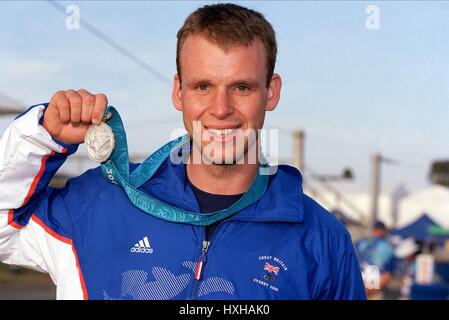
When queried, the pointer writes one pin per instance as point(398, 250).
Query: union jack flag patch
point(271, 269)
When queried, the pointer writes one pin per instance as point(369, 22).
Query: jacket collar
point(283, 200)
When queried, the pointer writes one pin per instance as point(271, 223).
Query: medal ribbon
point(116, 170)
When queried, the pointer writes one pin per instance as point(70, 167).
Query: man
point(377, 260)
point(406, 252)
point(96, 244)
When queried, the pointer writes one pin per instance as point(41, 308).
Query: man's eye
point(242, 88)
point(203, 87)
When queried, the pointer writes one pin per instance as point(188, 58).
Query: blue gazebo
point(420, 230)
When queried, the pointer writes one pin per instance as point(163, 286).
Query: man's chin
point(222, 161)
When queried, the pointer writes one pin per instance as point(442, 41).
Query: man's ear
point(274, 92)
point(176, 94)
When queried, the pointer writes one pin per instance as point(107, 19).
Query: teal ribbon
point(116, 170)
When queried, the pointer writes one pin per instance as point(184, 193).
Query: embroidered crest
point(272, 268)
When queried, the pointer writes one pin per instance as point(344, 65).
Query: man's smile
point(222, 133)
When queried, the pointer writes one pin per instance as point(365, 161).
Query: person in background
point(377, 260)
point(406, 252)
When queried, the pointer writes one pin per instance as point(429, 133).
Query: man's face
point(379, 232)
point(225, 94)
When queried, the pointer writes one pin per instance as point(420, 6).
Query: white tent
point(433, 200)
point(361, 201)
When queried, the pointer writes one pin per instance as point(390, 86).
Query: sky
point(354, 90)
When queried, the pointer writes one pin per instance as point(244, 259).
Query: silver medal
point(99, 141)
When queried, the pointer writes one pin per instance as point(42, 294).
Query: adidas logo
point(143, 246)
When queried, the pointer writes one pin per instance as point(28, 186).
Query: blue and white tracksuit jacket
point(96, 245)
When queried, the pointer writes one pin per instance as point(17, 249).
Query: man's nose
point(221, 106)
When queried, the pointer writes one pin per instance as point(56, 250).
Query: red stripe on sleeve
point(51, 232)
point(67, 241)
point(37, 178)
point(32, 189)
point(11, 221)
point(83, 284)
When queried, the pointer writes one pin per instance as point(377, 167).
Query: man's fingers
point(76, 103)
point(100, 105)
point(61, 102)
point(79, 106)
point(87, 106)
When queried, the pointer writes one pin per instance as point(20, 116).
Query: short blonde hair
point(228, 25)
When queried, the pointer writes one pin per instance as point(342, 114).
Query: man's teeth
point(224, 132)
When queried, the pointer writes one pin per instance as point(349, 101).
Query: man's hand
point(70, 113)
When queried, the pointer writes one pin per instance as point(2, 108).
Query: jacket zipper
point(199, 270)
point(202, 260)
point(199, 267)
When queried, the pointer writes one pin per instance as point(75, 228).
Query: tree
point(439, 172)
